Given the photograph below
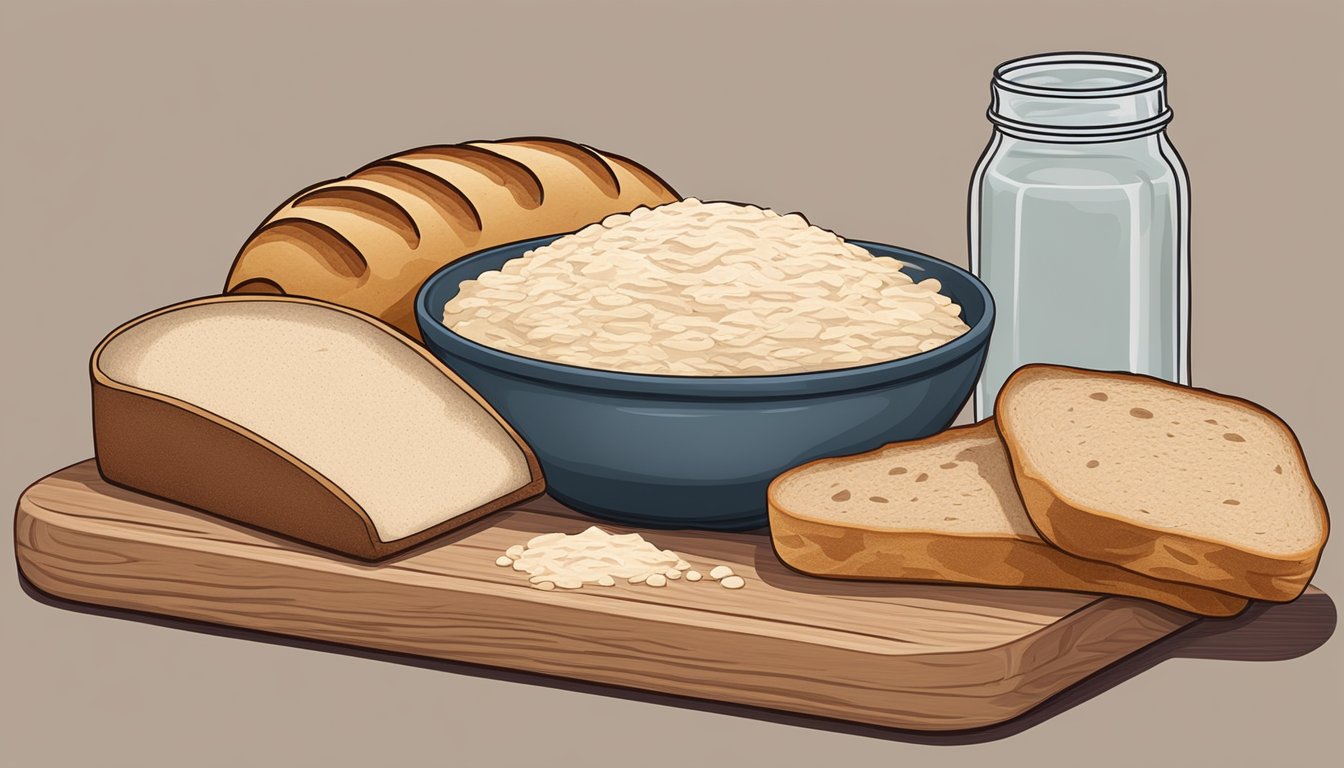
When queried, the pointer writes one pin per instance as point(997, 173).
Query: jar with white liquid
point(1079, 221)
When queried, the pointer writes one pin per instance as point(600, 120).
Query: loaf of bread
point(1172, 482)
point(368, 241)
point(942, 509)
point(302, 418)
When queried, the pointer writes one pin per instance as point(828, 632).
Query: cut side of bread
point(306, 419)
point(942, 509)
point(1173, 482)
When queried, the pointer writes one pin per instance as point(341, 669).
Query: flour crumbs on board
point(599, 557)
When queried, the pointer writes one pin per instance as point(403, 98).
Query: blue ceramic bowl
point(698, 452)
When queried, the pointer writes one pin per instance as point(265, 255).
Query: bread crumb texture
point(1165, 458)
point(956, 486)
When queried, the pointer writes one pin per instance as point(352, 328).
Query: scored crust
point(172, 449)
point(1162, 553)
point(370, 239)
point(828, 547)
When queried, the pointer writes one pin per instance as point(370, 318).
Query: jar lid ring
point(1081, 134)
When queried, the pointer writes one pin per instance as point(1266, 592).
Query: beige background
point(143, 141)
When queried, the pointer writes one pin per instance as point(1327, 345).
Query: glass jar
point(1079, 221)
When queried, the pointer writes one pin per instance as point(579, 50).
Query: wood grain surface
point(926, 657)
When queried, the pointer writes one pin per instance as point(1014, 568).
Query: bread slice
point(306, 419)
point(942, 509)
point(1176, 483)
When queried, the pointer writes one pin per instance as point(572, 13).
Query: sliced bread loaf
point(307, 419)
point(1173, 482)
point(941, 509)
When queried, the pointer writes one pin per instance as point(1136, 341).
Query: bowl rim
point(443, 341)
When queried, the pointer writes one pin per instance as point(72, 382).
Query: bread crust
point(370, 239)
point(829, 548)
point(1164, 554)
point(165, 447)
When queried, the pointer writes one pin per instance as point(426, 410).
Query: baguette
point(368, 241)
point(944, 510)
point(1172, 482)
point(306, 419)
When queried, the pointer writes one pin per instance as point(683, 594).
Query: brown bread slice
point(941, 509)
point(307, 419)
point(1177, 483)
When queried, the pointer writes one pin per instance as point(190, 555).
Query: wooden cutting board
point(924, 657)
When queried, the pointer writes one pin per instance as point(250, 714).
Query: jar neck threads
point(1079, 98)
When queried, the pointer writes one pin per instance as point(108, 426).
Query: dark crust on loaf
point(825, 547)
point(259, 285)
point(652, 181)
point(514, 174)
point(173, 450)
point(444, 195)
point(586, 159)
point(1161, 553)
point(341, 256)
point(346, 195)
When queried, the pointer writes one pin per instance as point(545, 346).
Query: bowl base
point(746, 522)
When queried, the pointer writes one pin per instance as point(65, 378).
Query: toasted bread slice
point(941, 509)
point(1173, 482)
point(303, 418)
